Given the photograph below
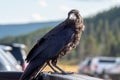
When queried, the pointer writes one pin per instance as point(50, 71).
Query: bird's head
point(74, 16)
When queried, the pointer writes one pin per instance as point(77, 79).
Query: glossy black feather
point(51, 45)
point(40, 43)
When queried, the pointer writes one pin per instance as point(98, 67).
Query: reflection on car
point(18, 51)
point(5, 64)
point(114, 71)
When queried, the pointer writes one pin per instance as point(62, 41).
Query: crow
point(56, 43)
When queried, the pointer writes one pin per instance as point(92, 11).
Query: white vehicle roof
point(19, 45)
point(6, 48)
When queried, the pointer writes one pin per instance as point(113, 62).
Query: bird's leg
point(54, 62)
point(49, 64)
point(39, 70)
point(43, 66)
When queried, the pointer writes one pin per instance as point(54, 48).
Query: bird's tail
point(31, 70)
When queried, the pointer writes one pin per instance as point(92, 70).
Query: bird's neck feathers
point(75, 24)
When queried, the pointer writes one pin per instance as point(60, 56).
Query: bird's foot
point(51, 72)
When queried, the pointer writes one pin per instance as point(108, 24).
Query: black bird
point(57, 42)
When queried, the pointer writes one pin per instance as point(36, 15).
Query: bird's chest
point(72, 44)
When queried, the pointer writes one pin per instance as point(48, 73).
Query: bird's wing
point(51, 47)
point(40, 43)
point(32, 51)
point(57, 43)
point(57, 29)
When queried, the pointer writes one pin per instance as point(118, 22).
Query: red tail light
point(95, 67)
point(86, 68)
point(24, 66)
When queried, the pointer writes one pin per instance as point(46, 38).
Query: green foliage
point(102, 34)
point(90, 46)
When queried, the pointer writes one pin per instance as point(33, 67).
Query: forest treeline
point(101, 36)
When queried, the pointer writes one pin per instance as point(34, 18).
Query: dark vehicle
point(18, 51)
point(5, 64)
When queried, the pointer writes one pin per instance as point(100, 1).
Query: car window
point(86, 62)
point(107, 61)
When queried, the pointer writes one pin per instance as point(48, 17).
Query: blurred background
point(23, 22)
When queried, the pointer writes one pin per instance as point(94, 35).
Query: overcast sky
point(25, 11)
